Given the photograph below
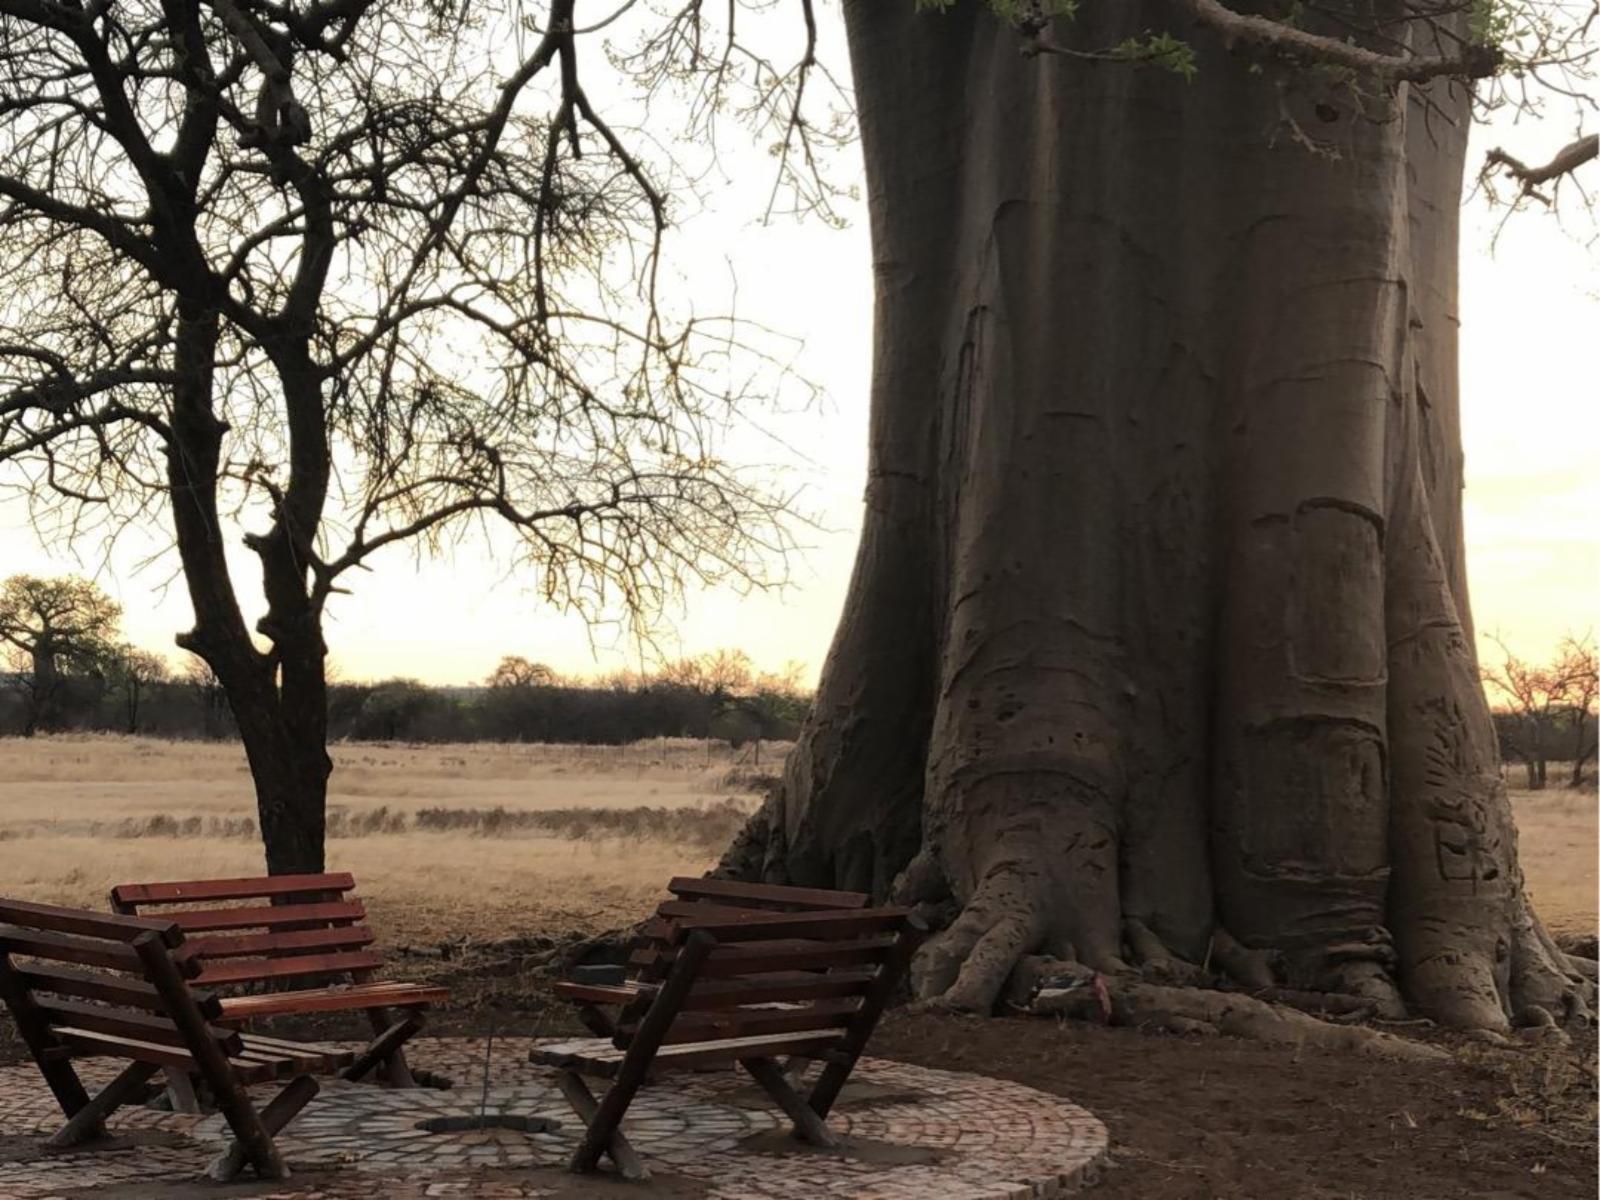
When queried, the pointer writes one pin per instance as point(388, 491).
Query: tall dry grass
point(481, 840)
point(485, 839)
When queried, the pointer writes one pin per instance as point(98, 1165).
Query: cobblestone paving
point(919, 1134)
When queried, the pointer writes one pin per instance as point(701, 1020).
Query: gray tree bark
point(1158, 643)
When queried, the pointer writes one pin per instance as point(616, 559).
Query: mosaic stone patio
point(911, 1134)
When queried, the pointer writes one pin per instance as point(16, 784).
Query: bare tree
point(133, 672)
point(1551, 705)
point(349, 275)
point(56, 626)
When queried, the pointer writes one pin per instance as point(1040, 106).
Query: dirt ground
point(1194, 1118)
point(1214, 1118)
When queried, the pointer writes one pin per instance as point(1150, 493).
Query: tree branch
point(1529, 179)
point(1473, 62)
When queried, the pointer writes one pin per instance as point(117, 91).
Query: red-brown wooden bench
point(703, 897)
point(83, 984)
point(712, 988)
point(303, 935)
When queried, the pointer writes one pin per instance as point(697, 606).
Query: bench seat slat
point(124, 1022)
point(188, 891)
point(708, 996)
point(748, 1022)
point(597, 1056)
point(269, 916)
point(91, 1043)
point(362, 996)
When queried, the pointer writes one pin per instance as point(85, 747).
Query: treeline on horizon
point(64, 666)
point(712, 696)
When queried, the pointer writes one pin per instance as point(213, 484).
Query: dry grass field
point(484, 840)
point(480, 840)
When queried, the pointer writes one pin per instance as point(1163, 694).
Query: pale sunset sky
point(1530, 309)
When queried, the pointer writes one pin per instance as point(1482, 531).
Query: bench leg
point(88, 1122)
point(596, 1021)
point(180, 1087)
point(279, 1112)
point(385, 1049)
point(808, 1127)
point(396, 1072)
point(618, 1147)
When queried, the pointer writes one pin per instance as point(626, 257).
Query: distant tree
point(514, 671)
point(247, 241)
point(1550, 708)
point(718, 674)
point(393, 710)
point(1580, 664)
point(133, 672)
point(56, 626)
point(208, 695)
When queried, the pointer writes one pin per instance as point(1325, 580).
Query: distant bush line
point(407, 711)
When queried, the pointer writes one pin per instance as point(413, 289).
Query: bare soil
point(1220, 1117)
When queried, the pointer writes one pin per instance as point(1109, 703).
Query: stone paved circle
point(919, 1134)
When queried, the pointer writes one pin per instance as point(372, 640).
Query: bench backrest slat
point(207, 920)
point(114, 927)
point(762, 972)
point(249, 945)
point(259, 887)
point(68, 948)
point(113, 989)
point(125, 999)
point(253, 970)
point(764, 895)
point(785, 954)
point(829, 925)
point(294, 931)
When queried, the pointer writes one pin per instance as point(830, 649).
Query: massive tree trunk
point(1158, 640)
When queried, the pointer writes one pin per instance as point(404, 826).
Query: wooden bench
point(713, 988)
point(303, 935)
point(84, 984)
point(701, 897)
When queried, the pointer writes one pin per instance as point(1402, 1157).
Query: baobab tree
point(345, 276)
point(1158, 649)
point(54, 626)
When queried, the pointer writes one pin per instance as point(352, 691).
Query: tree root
point(1069, 989)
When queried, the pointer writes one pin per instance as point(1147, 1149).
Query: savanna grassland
point(484, 840)
point(444, 840)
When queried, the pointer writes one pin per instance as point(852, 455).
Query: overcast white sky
point(1531, 412)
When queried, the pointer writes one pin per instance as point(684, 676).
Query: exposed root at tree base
point(1072, 990)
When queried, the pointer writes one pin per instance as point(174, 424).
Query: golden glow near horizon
point(1531, 422)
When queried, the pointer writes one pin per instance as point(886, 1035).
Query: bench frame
point(314, 930)
point(681, 971)
point(165, 1022)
